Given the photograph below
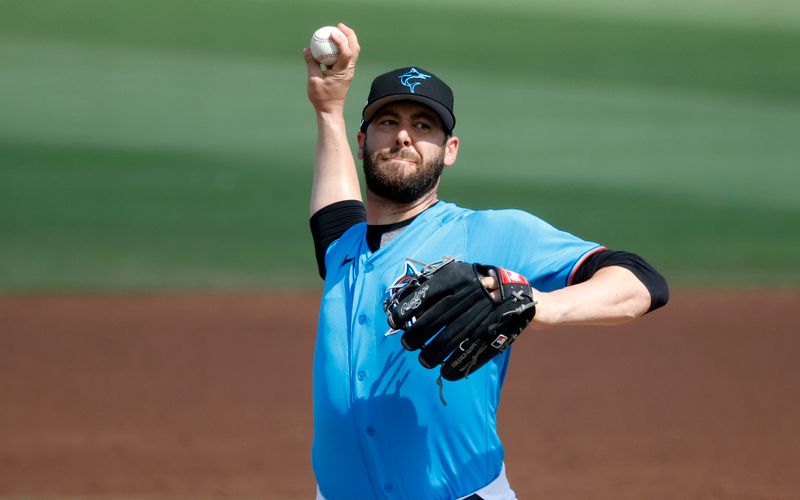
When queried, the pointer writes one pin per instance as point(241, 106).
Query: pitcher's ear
point(451, 150)
point(361, 137)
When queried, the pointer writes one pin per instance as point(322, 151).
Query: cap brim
point(448, 120)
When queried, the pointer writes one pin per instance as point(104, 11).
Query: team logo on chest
point(410, 270)
point(413, 269)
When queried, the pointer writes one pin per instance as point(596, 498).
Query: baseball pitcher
point(424, 298)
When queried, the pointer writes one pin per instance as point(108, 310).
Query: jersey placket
point(363, 368)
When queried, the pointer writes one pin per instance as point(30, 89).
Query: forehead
point(409, 109)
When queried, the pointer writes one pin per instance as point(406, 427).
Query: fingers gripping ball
point(323, 48)
point(447, 313)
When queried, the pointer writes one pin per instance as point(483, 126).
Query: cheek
point(376, 139)
point(431, 151)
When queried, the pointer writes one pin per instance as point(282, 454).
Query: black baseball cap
point(410, 84)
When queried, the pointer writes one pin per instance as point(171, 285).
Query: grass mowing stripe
point(134, 97)
point(773, 14)
point(112, 219)
point(686, 143)
point(154, 221)
point(657, 52)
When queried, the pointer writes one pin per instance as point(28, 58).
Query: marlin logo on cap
point(412, 74)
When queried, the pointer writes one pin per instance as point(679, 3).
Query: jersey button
point(368, 268)
point(361, 375)
point(388, 487)
point(362, 318)
point(370, 431)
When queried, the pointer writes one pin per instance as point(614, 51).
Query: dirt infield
point(208, 396)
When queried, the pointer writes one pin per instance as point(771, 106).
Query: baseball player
point(390, 422)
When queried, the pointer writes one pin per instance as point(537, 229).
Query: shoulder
point(354, 235)
point(504, 220)
point(449, 212)
point(498, 224)
point(504, 214)
point(445, 212)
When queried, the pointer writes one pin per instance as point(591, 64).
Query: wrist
point(328, 121)
point(333, 118)
point(547, 311)
point(330, 111)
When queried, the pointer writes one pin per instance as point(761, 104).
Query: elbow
point(635, 306)
point(659, 294)
point(644, 300)
point(638, 304)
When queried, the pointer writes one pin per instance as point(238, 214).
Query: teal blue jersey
point(380, 428)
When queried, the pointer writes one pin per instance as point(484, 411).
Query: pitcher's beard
point(392, 184)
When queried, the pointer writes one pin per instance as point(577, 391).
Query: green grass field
point(169, 144)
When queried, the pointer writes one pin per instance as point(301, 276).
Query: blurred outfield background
point(169, 144)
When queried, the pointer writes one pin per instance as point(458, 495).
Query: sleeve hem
point(580, 262)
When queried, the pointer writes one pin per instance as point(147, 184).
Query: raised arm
point(335, 176)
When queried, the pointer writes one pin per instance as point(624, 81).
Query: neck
point(381, 211)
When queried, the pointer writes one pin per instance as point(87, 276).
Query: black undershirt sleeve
point(329, 223)
point(652, 279)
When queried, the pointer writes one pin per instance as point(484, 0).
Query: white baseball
point(323, 48)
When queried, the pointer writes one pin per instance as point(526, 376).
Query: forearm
point(612, 296)
point(335, 177)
